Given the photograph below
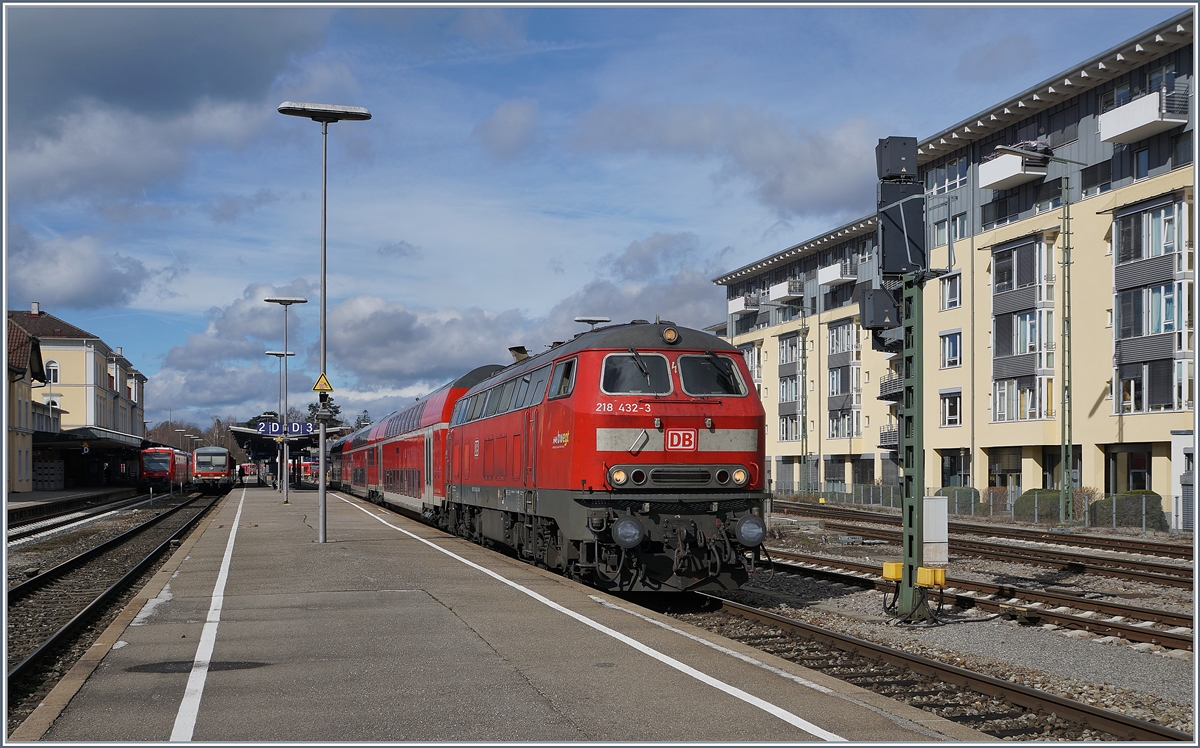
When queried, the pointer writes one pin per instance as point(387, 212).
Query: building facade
point(91, 406)
point(25, 371)
point(1119, 127)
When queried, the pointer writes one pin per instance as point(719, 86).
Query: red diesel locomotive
point(162, 467)
point(213, 469)
point(630, 458)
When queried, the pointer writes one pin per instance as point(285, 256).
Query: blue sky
point(523, 166)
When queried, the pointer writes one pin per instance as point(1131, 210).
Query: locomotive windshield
point(157, 461)
point(210, 461)
point(710, 375)
point(635, 374)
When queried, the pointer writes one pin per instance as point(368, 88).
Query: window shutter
point(1159, 383)
point(1125, 239)
point(1026, 262)
point(1002, 341)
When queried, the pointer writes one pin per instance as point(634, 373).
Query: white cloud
point(511, 129)
point(792, 171)
point(72, 272)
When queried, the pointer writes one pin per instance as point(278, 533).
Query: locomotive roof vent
point(639, 322)
point(519, 353)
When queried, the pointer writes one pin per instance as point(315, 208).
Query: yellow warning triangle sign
point(322, 384)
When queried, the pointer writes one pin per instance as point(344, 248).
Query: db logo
point(681, 440)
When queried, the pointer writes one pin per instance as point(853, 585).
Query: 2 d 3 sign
point(275, 428)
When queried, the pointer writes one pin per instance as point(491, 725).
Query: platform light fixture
point(285, 302)
point(323, 113)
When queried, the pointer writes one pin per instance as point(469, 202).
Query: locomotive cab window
point(635, 374)
point(564, 379)
point(710, 374)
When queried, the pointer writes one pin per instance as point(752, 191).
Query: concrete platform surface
point(394, 631)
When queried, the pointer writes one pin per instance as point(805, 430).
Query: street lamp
point(285, 302)
point(180, 431)
point(279, 355)
point(323, 113)
point(1067, 436)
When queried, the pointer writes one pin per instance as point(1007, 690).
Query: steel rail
point(21, 530)
point(1025, 613)
point(1099, 542)
point(1141, 571)
point(109, 594)
point(1030, 698)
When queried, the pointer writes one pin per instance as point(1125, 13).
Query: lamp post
point(285, 302)
point(323, 113)
point(179, 439)
point(279, 355)
point(1067, 437)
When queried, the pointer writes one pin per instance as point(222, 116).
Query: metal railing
point(889, 437)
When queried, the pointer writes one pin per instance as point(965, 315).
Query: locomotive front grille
point(680, 477)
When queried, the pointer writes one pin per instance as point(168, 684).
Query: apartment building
point(1119, 129)
point(91, 406)
point(25, 371)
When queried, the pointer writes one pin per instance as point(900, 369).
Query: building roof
point(24, 353)
point(45, 325)
point(858, 227)
point(1131, 54)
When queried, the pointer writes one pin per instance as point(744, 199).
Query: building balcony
point(889, 438)
point(788, 290)
point(1147, 115)
point(891, 387)
point(747, 304)
point(1008, 170)
point(845, 271)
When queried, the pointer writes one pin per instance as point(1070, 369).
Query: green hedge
point(960, 498)
point(1047, 505)
point(1129, 511)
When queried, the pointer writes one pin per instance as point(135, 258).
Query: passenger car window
point(564, 379)
point(710, 375)
point(643, 374)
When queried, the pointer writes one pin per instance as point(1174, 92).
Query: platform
point(394, 631)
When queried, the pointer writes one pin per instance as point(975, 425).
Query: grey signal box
point(896, 158)
point(901, 232)
point(878, 311)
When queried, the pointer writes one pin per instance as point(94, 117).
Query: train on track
point(630, 458)
point(213, 470)
point(163, 467)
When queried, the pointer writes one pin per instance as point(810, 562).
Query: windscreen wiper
point(640, 364)
point(724, 370)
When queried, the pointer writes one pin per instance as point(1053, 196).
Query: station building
point(86, 414)
point(1124, 121)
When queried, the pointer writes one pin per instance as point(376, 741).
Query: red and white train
point(213, 469)
point(163, 467)
point(630, 457)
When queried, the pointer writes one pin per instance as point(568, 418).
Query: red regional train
point(213, 469)
point(630, 458)
point(162, 467)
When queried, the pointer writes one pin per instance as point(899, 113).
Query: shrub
point(1129, 511)
point(1046, 504)
point(960, 498)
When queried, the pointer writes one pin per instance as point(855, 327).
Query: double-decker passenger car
point(213, 469)
point(164, 467)
point(630, 457)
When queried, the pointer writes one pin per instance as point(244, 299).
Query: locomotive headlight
point(670, 336)
point(627, 532)
point(750, 530)
point(618, 477)
point(740, 476)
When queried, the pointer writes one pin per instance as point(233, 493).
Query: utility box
point(936, 532)
point(901, 231)
point(877, 310)
point(893, 571)
point(896, 157)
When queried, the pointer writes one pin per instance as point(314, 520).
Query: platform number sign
point(275, 428)
point(681, 440)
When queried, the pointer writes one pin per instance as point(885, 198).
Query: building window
point(949, 176)
point(951, 292)
point(1027, 338)
point(1118, 96)
point(1131, 389)
point(1141, 163)
point(952, 409)
point(1149, 233)
point(999, 212)
point(842, 338)
point(841, 424)
point(1014, 268)
point(788, 350)
point(958, 226)
point(789, 428)
point(951, 345)
point(1015, 399)
point(939, 233)
point(1097, 178)
point(1049, 196)
point(1181, 150)
point(788, 390)
point(51, 372)
point(836, 381)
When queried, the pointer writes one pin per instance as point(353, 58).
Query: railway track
point(990, 705)
point(1127, 622)
point(1151, 572)
point(58, 520)
point(1143, 546)
point(45, 612)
